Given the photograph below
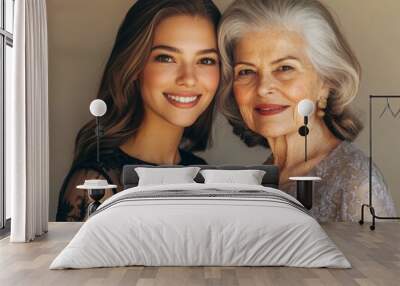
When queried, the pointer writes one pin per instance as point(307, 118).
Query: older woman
point(276, 53)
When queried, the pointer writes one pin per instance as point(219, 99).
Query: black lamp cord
point(100, 166)
point(305, 138)
point(303, 131)
point(98, 138)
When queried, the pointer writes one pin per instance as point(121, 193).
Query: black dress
point(73, 202)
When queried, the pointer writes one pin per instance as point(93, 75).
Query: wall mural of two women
point(175, 64)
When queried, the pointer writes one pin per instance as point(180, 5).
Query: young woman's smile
point(182, 99)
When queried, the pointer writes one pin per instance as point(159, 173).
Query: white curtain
point(27, 137)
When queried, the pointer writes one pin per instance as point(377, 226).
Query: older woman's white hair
point(326, 48)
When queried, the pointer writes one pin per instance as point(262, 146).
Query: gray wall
point(81, 34)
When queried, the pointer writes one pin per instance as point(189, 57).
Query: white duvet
point(207, 230)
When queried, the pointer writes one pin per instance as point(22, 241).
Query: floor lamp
point(305, 184)
point(96, 188)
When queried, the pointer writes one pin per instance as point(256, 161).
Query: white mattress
point(189, 230)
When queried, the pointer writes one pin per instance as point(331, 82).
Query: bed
point(201, 224)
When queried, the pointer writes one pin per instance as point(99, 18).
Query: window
point(6, 62)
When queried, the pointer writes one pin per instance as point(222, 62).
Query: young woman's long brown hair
point(119, 86)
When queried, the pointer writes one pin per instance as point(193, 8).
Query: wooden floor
point(374, 255)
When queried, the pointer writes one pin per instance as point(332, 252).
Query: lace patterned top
point(345, 186)
point(73, 202)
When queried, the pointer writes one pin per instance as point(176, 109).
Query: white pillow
point(162, 176)
point(248, 177)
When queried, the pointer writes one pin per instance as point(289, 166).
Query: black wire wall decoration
point(388, 108)
point(395, 114)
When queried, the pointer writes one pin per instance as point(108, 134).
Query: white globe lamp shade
point(98, 107)
point(306, 107)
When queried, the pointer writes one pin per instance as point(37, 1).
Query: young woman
point(159, 86)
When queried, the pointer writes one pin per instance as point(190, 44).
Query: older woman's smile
point(270, 109)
